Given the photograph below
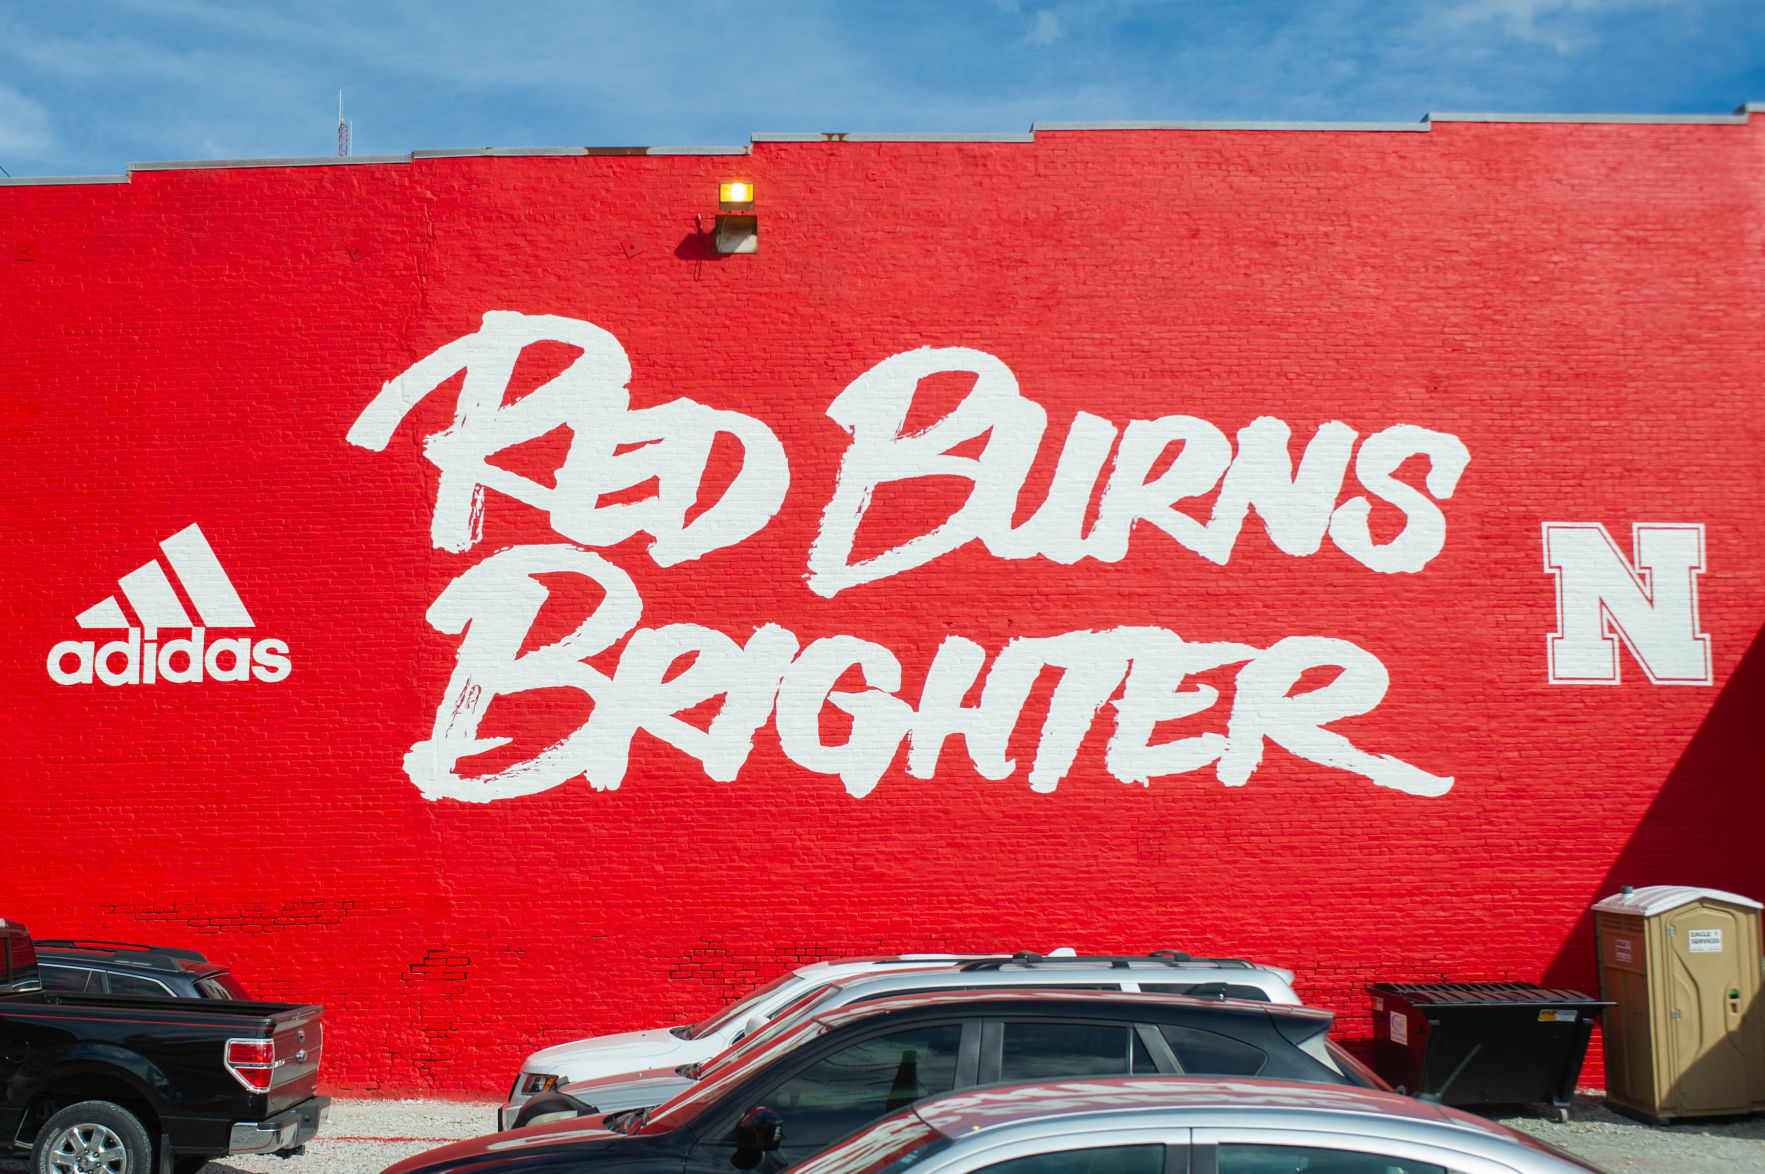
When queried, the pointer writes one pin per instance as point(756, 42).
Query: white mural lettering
point(1148, 675)
point(1424, 532)
point(1297, 509)
point(670, 444)
point(497, 601)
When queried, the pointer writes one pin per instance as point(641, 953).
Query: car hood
point(634, 1090)
point(579, 1137)
point(622, 1054)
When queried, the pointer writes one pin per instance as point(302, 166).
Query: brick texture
point(1577, 304)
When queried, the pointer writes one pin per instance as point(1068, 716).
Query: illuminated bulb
point(737, 192)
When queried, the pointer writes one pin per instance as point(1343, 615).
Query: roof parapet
point(1740, 116)
point(868, 137)
point(295, 161)
point(696, 150)
point(27, 181)
point(1665, 119)
point(494, 152)
point(1039, 127)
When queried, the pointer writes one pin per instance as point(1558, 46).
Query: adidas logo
point(139, 658)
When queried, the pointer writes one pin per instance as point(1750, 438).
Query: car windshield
point(689, 1104)
point(888, 1146)
point(740, 1010)
point(788, 1017)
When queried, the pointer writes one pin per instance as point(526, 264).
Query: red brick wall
point(1578, 305)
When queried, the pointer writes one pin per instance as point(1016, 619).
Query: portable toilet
point(1686, 1034)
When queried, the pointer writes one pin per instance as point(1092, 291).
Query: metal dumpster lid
point(1653, 899)
point(1478, 994)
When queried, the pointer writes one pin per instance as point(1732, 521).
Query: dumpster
point(1686, 1037)
point(1482, 1043)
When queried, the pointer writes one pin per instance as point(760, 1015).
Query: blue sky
point(86, 88)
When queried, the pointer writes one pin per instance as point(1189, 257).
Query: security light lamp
point(738, 229)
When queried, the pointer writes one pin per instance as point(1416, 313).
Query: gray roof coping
point(496, 152)
point(697, 151)
point(1667, 119)
point(1750, 108)
point(868, 137)
point(27, 181)
point(302, 161)
point(1039, 127)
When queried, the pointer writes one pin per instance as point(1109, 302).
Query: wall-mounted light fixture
point(738, 229)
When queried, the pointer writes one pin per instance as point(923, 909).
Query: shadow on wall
point(1703, 827)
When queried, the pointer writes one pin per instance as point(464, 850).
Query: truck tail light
point(253, 1062)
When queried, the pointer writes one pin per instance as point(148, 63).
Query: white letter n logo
point(1653, 605)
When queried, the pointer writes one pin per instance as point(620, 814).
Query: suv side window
point(1061, 1051)
point(853, 1087)
point(1208, 990)
point(129, 984)
point(1204, 1053)
point(897, 992)
point(1115, 1159)
point(1290, 1159)
point(71, 979)
point(213, 988)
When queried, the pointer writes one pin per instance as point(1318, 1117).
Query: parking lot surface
point(1726, 1145)
point(366, 1136)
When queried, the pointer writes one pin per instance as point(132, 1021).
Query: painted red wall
point(1578, 305)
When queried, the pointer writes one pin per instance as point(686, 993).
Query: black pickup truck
point(102, 1083)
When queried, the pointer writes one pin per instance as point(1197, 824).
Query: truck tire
point(106, 1134)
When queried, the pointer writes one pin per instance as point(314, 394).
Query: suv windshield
point(788, 1017)
point(689, 1104)
point(745, 1007)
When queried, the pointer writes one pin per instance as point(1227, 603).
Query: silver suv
point(1164, 972)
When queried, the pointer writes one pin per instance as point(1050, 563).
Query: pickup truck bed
point(168, 1063)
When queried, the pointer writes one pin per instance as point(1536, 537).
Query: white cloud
point(1046, 30)
point(24, 125)
point(1542, 22)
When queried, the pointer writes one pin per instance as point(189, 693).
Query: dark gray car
point(839, 1071)
point(1170, 973)
point(128, 968)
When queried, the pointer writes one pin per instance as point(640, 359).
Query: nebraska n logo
point(1651, 605)
point(137, 659)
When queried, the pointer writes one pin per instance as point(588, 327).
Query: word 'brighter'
point(615, 449)
point(496, 603)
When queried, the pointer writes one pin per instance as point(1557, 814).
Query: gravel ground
point(1717, 1145)
point(364, 1137)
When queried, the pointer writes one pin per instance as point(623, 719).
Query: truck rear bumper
point(287, 1129)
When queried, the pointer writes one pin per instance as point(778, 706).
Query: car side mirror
point(761, 1131)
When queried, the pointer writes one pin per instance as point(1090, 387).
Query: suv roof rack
point(1172, 958)
point(129, 953)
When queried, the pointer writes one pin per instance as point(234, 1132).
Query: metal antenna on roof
point(342, 129)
